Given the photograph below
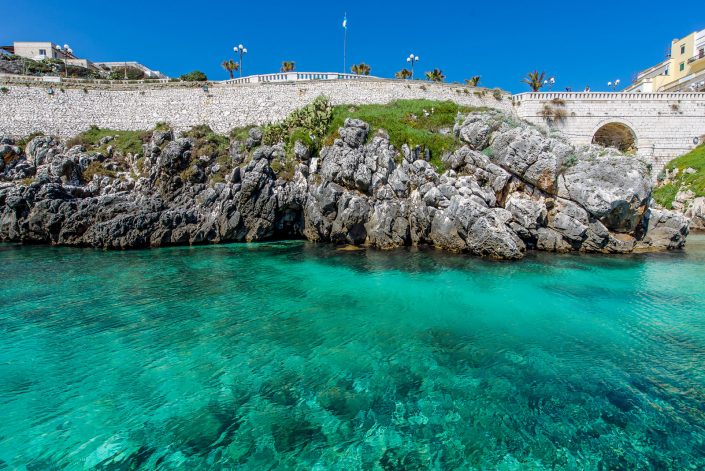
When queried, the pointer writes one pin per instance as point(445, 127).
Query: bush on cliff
point(313, 119)
point(665, 193)
point(122, 142)
point(423, 123)
point(195, 76)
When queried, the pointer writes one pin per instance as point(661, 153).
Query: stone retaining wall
point(28, 108)
point(665, 124)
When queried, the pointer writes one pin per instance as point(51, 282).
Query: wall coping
point(615, 96)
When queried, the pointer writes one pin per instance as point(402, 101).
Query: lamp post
point(66, 51)
point(242, 50)
point(412, 59)
point(549, 83)
point(613, 85)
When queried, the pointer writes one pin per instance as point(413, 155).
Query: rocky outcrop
point(507, 189)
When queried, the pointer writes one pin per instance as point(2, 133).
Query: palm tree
point(361, 69)
point(403, 74)
point(534, 80)
point(473, 81)
point(436, 75)
point(231, 66)
point(288, 66)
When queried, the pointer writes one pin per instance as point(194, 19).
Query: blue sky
point(581, 43)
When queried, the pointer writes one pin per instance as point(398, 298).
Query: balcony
point(697, 63)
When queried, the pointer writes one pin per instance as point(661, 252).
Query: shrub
point(4, 90)
point(410, 122)
point(133, 73)
point(497, 94)
point(695, 182)
point(195, 76)
point(314, 119)
point(96, 168)
point(25, 140)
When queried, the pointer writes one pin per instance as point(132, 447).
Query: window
point(682, 49)
point(682, 66)
point(701, 52)
point(42, 52)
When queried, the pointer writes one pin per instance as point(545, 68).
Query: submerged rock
point(506, 190)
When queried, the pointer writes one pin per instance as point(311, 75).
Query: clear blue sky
point(581, 43)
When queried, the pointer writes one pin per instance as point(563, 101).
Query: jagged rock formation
point(509, 188)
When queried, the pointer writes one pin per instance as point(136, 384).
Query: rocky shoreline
point(507, 189)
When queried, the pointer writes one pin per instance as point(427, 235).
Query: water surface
point(297, 356)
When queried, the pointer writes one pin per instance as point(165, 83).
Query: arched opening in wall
point(616, 135)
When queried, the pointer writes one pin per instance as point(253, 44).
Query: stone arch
point(616, 134)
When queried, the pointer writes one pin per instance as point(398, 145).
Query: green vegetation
point(4, 90)
point(695, 182)
point(123, 142)
point(212, 145)
point(473, 81)
point(231, 67)
point(436, 75)
point(195, 76)
point(288, 66)
point(534, 80)
point(119, 73)
point(25, 140)
point(313, 119)
point(361, 69)
point(403, 74)
point(96, 168)
point(411, 122)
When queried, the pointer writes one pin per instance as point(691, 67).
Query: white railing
point(612, 96)
point(58, 79)
point(294, 77)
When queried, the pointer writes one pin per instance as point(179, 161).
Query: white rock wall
point(665, 124)
point(25, 109)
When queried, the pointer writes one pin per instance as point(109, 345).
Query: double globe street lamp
point(66, 51)
point(613, 85)
point(412, 59)
point(242, 50)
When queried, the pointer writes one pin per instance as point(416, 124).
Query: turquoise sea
point(299, 356)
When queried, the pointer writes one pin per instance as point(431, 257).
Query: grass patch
point(25, 140)
point(411, 122)
point(124, 142)
point(695, 182)
point(96, 168)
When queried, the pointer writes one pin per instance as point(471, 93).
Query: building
point(40, 50)
point(683, 70)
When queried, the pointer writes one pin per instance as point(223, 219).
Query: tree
point(288, 66)
point(534, 80)
point(403, 74)
point(119, 73)
point(436, 75)
point(361, 69)
point(473, 81)
point(195, 76)
point(231, 66)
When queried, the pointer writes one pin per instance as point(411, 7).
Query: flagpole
point(345, 44)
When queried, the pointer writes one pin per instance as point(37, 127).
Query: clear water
point(296, 356)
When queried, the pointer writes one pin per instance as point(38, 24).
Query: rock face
point(507, 189)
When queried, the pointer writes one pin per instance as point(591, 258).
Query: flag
point(345, 21)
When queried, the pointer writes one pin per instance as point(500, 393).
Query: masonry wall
point(665, 124)
point(25, 109)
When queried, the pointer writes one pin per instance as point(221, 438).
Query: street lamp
point(549, 83)
point(66, 51)
point(240, 49)
point(412, 59)
point(613, 85)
